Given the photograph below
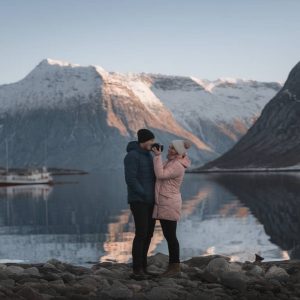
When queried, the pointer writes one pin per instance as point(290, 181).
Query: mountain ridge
point(81, 109)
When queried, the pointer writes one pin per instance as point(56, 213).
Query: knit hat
point(181, 146)
point(144, 135)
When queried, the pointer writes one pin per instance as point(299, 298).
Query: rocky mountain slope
point(274, 139)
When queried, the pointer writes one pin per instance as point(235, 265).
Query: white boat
point(31, 176)
point(22, 177)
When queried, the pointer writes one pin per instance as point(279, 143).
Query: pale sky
point(256, 39)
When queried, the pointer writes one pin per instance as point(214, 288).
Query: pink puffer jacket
point(169, 176)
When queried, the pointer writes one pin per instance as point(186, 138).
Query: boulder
point(7, 282)
point(217, 266)
point(32, 271)
point(202, 261)
point(277, 273)
point(234, 280)
point(161, 293)
point(118, 291)
point(256, 271)
point(235, 267)
point(160, 260)
point(14, 270)
point(30, 294)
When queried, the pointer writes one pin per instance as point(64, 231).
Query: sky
point(207, 39)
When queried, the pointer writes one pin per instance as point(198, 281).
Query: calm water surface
point(86, 218)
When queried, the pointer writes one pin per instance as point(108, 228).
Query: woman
point(167, 207)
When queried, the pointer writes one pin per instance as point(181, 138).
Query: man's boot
point(173, 269)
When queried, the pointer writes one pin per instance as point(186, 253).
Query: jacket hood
point(185, 161)
point(134, 145)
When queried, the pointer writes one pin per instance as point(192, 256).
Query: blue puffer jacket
point(139, 174)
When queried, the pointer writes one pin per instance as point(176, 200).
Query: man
point(140, 180)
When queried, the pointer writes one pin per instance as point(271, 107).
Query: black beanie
point(144, 135)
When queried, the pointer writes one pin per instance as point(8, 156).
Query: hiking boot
point(173, 269)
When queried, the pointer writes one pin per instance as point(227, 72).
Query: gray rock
point(105, 272)
point(79, 297)
point(235, 267)
point(169, 282)
point(160, 260)
point(234, 280)
point(139, 296)
point(51, 276)
point(28, 279)
point(161, 293)
point(202, 261)
point(49, 266)
point(53, 261)
point(32, 271)
point(49, 297)
point(7, 282)
point(187, 283)
point(207, 276)
point(88, 281)
point(277, 273)
point(77, 270)
point(57, 282)
point(75, 288)
point(29, 293)
point(102, 282)
point(217, 266)
point(118, 291)
point(14, 270)
point(256, 271)
point(135, 287)
point(3, 274)
point(67, 277)
point(184, 267)
point(155, 269)
point(213, 285)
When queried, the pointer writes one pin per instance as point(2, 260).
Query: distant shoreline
point(266, 170)
point(58, 171)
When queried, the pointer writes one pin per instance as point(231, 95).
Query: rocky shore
point(201, 278)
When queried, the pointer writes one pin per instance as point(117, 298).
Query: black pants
point(169, 231)
point(144, 228)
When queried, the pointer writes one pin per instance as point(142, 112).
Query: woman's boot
point(173, 269)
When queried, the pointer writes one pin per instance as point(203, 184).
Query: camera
point(158, 146)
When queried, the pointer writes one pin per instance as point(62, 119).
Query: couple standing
point(154, 194)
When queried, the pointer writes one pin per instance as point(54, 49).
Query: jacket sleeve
point(165, 173)
point(131, 169)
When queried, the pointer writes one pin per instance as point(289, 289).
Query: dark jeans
point(144, 228)
point(169, 231)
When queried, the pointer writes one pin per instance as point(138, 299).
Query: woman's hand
point(156, 152)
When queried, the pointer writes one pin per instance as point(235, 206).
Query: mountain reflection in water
point(232, 214)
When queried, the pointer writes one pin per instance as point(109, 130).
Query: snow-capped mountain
point(72, 116)
point(219, 112)
point(273, 140)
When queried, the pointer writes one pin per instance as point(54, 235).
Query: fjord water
point(86, 218)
